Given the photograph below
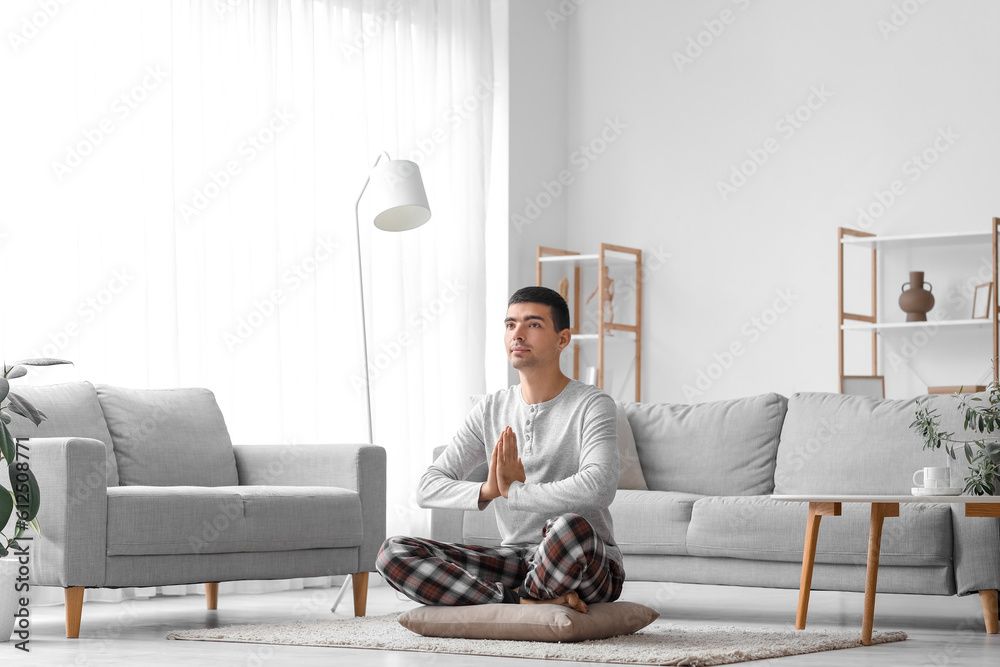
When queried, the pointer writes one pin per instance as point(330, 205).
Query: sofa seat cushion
point(161, 520)
point(169, 437)
point(758, 528)
point(652, 522)
point(145, 520)
point(73, 411)
point(286, 518)
point(713, 449)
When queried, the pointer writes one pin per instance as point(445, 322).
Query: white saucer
point(946, 491)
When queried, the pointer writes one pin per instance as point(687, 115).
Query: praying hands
point(505, 468)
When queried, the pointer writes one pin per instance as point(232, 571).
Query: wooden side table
point(881, 508)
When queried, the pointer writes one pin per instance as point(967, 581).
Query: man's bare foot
point(571, 600)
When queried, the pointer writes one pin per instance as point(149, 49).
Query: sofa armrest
point(359, 468)
point(449, 525)
point(446, 525)
point(72, 512)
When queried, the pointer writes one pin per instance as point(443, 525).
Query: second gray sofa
point(707, 517)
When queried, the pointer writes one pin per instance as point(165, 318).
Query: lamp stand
point(361, 283)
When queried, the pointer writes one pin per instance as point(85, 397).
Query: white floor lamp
point(399, 203)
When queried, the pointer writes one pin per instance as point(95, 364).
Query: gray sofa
point(707, 517)
point(145, 488)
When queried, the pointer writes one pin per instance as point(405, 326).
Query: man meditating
point(552, 447)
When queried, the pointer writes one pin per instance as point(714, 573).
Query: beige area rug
point(658, 644)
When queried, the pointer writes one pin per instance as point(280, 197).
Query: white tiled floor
point(943, 631)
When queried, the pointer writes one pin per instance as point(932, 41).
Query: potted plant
point(22, 499)
point(982, 453)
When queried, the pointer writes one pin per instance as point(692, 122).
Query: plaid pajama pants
point(570, 557)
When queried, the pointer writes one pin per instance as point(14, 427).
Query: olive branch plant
point(983, 453)
point(23, 497)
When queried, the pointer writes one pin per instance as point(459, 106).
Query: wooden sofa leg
point(359, 582)
point(212, 595)
point(989, 600)
point(74, 609)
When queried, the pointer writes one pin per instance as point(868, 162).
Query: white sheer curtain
point(177, 210)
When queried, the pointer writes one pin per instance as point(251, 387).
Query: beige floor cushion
point(529, 622)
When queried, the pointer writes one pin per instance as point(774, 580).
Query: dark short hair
point(547, 297)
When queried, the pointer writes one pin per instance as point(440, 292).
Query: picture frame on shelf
point(981, 301)
point(864, 385)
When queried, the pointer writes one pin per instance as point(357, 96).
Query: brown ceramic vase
point(916, 300)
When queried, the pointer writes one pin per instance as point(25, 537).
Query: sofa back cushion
point(833, 443)
point(72, 411)
point(168, 437)
point(725, 448)
point(630, 470)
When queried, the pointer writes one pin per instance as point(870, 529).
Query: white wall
point(770, 245)
point(537, 69)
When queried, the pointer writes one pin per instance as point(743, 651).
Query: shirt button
point(532, 409)
point(527, 422)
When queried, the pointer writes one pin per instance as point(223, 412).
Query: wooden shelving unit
point(868, 321)
point(608, 255)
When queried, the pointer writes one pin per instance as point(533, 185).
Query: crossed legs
point(570, 559)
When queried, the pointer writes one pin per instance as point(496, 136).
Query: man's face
point(530, 337)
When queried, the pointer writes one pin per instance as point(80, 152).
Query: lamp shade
point(396, 196)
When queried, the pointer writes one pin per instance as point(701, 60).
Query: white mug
point(933, 478)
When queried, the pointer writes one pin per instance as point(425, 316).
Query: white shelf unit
point(607, 337)
point(918, 240)
point(868, 322)
point(867, 326)
point(611, 257)
point(608, 255)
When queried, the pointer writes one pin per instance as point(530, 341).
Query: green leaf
point(4, 417)
point(6, 507)
point(15, 410)
point(33, 492)
point(16, 372)
point(8, 448)
point(23, 407)
point(14, 545)
point(34, 524)
point(3, 552)
point(4, 388)
point(968, 452)
point(43, 361)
